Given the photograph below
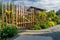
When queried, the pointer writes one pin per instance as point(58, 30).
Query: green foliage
point(58, 12)
point(8, 31)
point(45, 20)
point(51, 14)
point(0, 16)
point(57, 19)
point(36, 27)
point(0, 32)
point(40, 16)
point(45, 24)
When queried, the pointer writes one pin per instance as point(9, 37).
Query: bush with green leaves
point(0, 33)
point(40, 16)
point(8, 31)
point(56, 19)
point(36, 27)
point(45, 24)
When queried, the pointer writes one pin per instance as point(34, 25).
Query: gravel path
point(52, 33)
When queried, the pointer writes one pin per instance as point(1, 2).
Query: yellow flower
point(7, 11)
point(52, 23)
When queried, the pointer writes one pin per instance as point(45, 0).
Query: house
point(34, 9)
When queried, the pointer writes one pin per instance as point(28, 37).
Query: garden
point(42, 20)
point(45, 20)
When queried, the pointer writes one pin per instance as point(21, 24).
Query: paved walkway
point(52, 33)
point(33, 38)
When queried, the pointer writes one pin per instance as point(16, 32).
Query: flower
point(7, 11)
point(52, 23)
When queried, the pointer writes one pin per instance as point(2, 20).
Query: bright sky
point(44, 4)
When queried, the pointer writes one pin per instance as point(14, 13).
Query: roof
point(36, 8)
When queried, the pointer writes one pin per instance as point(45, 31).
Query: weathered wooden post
point(6, 13)
point(9, 11)
point(32, 20)
point(2, 14)
point(23, 14)
point(33, 16)
point(16, 15)
point(12, 13)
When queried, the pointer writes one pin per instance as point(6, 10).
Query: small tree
point(40, 16)
point(51, 13)
point(58, 12)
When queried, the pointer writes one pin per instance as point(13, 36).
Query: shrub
point(0, 33)
point(58, 22)
point(41, 16)
point(36, 27)
point(12, 30)
point(56, 19)
point(45, 25)
point(8, 31)
point(52, 23)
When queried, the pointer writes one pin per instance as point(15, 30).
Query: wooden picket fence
point(17, 15)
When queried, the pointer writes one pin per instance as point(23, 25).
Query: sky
point(43, 4)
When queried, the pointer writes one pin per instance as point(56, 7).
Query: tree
point(41, 15)
point(51, 14)
point(58, 12)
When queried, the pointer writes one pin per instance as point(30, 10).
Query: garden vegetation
point(7, 31)
point(45, 20)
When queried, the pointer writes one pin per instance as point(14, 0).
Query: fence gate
point(17, 15)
